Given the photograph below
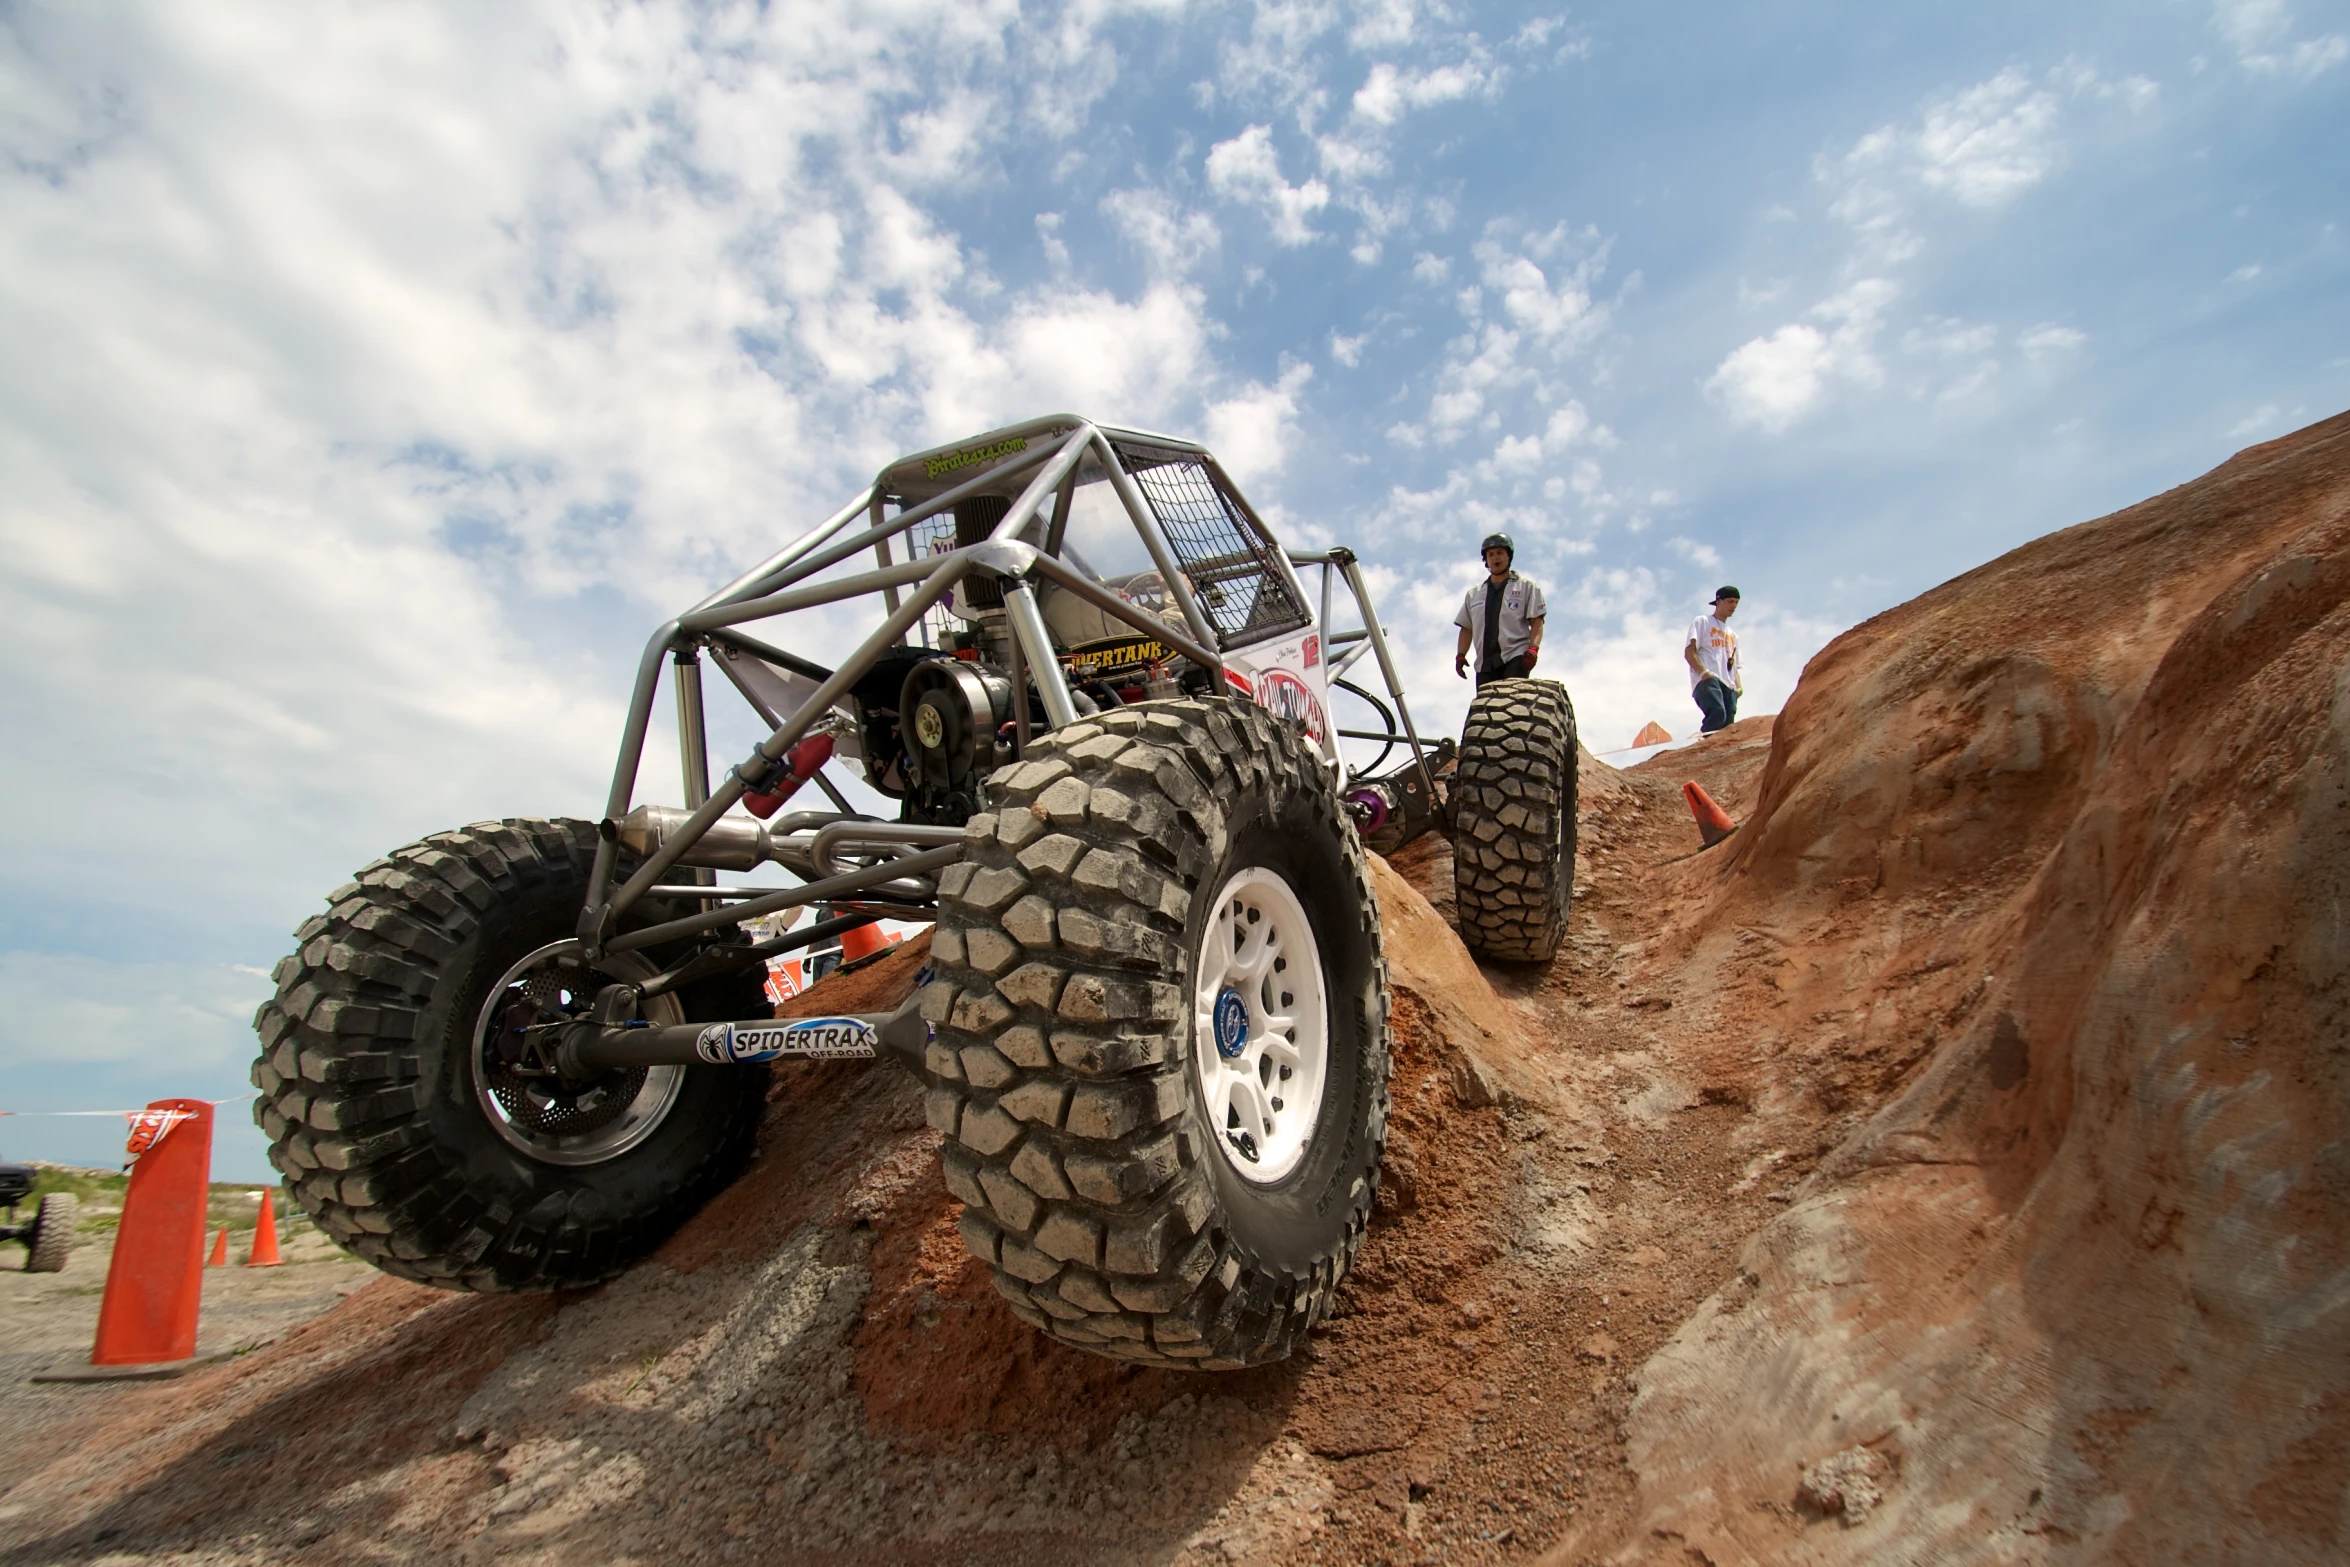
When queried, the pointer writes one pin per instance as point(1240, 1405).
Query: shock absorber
point(800, 764)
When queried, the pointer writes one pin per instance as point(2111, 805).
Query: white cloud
point(1251, 431)
point(1561, 311)
point(1540, 286)
point(1704, 556)
point(1982, 145)
point(67, 1008)
point(1388, 94)
point(1519, 452)
point(1777, 380)
point(1347, 351)
point(2264, 421)
point(2261, 33)
point(2245, 273)
point(1989, 142)
point(1048, 235)
point(2049, 339)
point(377, 377)
point(1175, 242)
point(1568, 425)
point(1943, 335)
point(1247, 170)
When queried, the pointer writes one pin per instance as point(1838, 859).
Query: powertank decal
point(813, 1038)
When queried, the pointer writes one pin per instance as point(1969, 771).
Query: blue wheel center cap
point(1231, 1024)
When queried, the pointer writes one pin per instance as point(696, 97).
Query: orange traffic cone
point(155, 1281)
point(265, 1237)
point(1651, 733)
point(219, 1257)
point(862, 942)
point(1713, 823)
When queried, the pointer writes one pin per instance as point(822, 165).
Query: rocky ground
point(1947, 1167)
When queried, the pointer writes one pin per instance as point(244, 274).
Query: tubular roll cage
point(901, 860)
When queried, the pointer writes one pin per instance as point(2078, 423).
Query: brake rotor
point(559, 1106)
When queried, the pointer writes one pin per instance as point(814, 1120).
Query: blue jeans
point(1718, 703)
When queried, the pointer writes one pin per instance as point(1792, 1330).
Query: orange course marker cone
point(1713, 823)
point(265, 1237)
point(862, 942)
point(219, 1257)
point(1651, 733)
point(155, 1281)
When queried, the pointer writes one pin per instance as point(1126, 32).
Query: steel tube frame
point(792, 551)
point(1062, 464)
point(604, 905)
point(693, 734)
point(873, 879)
point(1353, 572)
point(721, 616)
point(780, 585)
point(1036, 644)
point(806, 567)
point(1060, 574)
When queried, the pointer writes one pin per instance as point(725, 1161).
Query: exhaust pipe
point(732, 843)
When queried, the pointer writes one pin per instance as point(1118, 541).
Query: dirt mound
point(2046, 887)
point(815, 1368)
point(1948, 1167)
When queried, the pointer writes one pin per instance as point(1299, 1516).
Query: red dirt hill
point(2061, 853)
point(1951, 1167)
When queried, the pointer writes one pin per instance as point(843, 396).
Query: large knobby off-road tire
point(400, 1130)
point(51, 1242)
point(1160, 1052)
point(1513, 820)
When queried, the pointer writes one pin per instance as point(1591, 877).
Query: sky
point(378, 375)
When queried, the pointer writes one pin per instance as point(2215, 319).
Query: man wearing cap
point(1501, 618)
point(1716, 677)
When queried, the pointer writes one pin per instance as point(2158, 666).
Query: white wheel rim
point(1262, 1072)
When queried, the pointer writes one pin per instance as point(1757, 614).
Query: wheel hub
point(552, 1118)
point(1231, 1024)
point(1260, 997)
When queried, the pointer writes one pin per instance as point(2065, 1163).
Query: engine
point(951, 717)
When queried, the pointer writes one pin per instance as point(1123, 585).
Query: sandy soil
point(1946, 1168)
point(52, 1319)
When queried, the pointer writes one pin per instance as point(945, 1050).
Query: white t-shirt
point(1717, 653)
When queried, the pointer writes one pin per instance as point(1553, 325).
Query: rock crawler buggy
point(519, 1054)
point(48, 1234)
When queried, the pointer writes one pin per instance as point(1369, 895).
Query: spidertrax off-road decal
point(817, 1038)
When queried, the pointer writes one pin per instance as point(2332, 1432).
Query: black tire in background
point(1120, 1211)
point(1513, 820)
point(51, 1241)
point(386, 1123)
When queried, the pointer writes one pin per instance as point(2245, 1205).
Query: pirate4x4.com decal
point(1287, 679)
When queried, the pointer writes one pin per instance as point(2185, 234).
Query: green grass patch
point(100, 1193)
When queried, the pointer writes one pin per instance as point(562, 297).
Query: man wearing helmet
point(1501, 619)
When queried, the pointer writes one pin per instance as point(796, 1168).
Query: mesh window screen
point(934, 536)
point(1230, 561)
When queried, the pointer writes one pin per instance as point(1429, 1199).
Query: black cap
point(1499, 541)
point(1725, 591)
